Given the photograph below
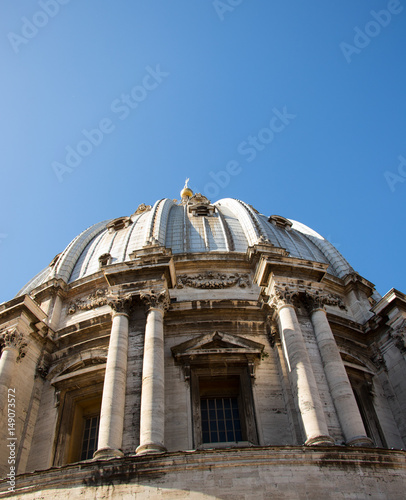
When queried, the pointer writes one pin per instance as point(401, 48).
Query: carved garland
point(211, 280)
point(96, 299)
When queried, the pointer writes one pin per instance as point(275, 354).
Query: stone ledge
point(170, 467)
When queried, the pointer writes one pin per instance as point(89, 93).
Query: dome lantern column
point(153, 376)
point(336, 375)
point(113, 399)
point(302, 378)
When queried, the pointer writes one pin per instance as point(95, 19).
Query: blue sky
point(172, 89)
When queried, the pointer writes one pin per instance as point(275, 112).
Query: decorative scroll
point(96, 299)
point(15, 339)
point(142, 208)
point(43, 366)
point(211, 280)
point(156, 300)
point(272, 331)
point(398, 335)
point(317, 300)
point(377, 358)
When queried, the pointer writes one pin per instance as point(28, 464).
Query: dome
point(194, 226)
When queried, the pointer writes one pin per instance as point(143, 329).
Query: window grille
point(220, 420)
point(90, 437)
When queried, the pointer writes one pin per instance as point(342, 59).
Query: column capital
point(155, 300)
point(121, 305)
point(13, 339)
point(282, 296)
point(317, 299)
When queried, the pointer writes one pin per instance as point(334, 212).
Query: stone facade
point(144, 320)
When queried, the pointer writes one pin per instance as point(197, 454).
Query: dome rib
point(251, 232)
point(233, 227)
point(228, 237)
point(334, 257)
point(86, 265)
point(130, 232)
point(70, 256)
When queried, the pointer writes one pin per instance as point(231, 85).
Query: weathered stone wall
point(287, 473)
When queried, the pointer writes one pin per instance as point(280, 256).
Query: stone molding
point(13, 338)
point(211, 280)
point(97, 299)
point(155, 300)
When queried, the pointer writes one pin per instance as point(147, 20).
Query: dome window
point(119, 223)
point(201, 210)
point(279, 221)
point(105, 259)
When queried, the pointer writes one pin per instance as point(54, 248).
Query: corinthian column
point(336, 375)
point(153, 376)
point(113, 399)
point(13, 347)
point(301, 374)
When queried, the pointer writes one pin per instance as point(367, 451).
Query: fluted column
point(337, 379)
point(153, 376)
point(13, 347)
point(302, 378)
point(113, 399)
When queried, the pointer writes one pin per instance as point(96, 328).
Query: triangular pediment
point(217, 342)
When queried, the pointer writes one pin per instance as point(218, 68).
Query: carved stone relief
point(96, 299)
point(211, 280)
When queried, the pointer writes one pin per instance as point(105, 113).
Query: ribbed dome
point(196, 226)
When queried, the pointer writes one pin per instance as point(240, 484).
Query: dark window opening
point(222, 418)
point(90, 437)
point(362, 386)
point(221, 421)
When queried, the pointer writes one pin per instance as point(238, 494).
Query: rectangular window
point(90, 437)
point(223, 407)
point(221, 421)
